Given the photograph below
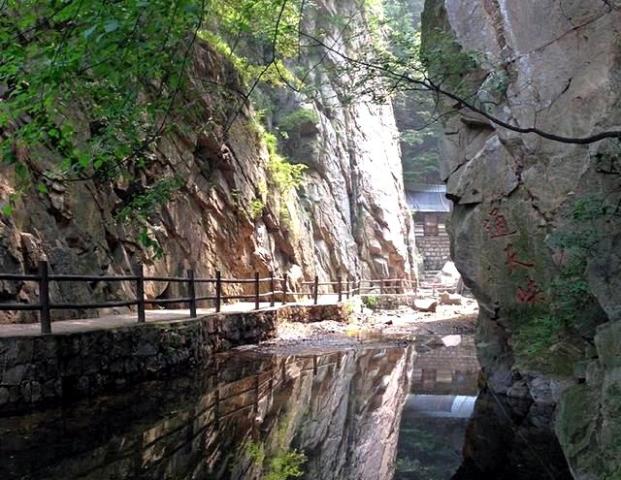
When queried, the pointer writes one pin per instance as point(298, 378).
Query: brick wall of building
point(436, 250)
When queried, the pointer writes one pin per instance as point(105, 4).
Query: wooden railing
point(277, 290)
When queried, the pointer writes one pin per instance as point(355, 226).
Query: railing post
point(316, 290)
point(347, 286)
point(340, 289)
point(272, 300)
point(216, 412)
point(140, 292)
point(255, 407)
point(192, 292)
point(256, 291)
point(218, 290)
point(44, 298)
point(284, 288)
point(381, 286)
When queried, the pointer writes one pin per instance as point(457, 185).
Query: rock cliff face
point(346, 219)
point(352, 150)
point(523, 205)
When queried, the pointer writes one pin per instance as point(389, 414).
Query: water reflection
point(437, 410)
point(373, 413)
point(508, 439)
point(332, 416)
point(450, 430)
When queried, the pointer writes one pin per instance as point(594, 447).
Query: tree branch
point(463, 103)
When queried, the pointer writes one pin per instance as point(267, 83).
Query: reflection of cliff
point(367, 425)
point(506, 441)
point(342, 410)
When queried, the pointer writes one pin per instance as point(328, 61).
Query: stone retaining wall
point(36, 370)
point(436, 250)
point(389, 302)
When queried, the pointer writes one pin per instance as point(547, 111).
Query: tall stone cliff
point(353, 154)
point(345, 219)
point(527, 209)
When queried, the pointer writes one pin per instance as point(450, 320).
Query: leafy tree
point(91, 82)
point(90, 86)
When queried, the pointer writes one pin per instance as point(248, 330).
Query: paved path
point(114, 321)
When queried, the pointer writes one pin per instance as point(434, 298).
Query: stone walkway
point(65, 327)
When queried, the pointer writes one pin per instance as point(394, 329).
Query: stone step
point(429, 275)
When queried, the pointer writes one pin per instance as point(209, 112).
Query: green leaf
point(4, 119)
point(89, 31)
point(21, 171)
point(111, 25)
point(7, 210)
point(42, 188)
point(84, 160)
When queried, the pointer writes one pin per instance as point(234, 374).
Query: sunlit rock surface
point(555, 66)
point(352, 150)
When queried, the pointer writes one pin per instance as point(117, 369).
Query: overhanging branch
point(428, 85)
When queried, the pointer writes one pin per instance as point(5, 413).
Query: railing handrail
point(18, 277)
point(277, 286)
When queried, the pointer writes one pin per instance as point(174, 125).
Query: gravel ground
point(389, 326)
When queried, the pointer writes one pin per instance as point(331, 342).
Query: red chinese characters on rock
point(530, 294)
point(496, 224)
point(513, 261)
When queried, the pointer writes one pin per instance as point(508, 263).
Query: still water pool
point(375, 412)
